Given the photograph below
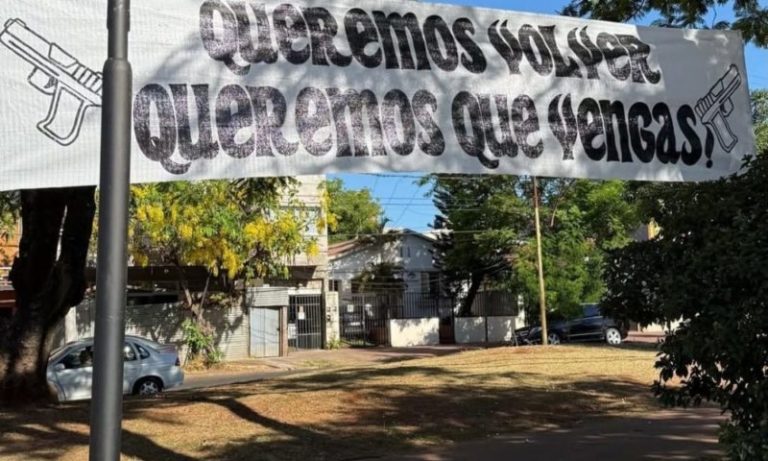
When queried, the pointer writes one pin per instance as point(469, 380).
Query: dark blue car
point(590, 326)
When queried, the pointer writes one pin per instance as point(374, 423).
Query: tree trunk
point(474, 286)
point(49, 278)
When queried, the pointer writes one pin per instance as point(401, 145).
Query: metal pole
point(540, 264)
point(107, 401)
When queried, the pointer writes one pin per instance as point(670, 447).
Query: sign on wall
point(232, 88)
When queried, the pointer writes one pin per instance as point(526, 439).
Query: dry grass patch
point(357, 411)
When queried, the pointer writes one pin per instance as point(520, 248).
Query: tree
point(379, 278)
point(751, 18)
point(706, 267)
point(481, 220)
point(49, 278)
point(356, 212)
point(759, 118)
point(238, 230)
point(10, 206)
point(489, 235)
point(581, 220)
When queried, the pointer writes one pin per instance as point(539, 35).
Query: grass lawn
point(351, 413)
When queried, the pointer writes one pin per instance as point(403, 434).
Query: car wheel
point(553, 338)
point(148, 386)
point(613, 336)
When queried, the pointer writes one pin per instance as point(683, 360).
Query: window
point(313, 216)
point(591, 310)
point(425, 288)
point(334, 285)
point(143, 353)
point(309, 214)
point(80, 357)
point(129, 355)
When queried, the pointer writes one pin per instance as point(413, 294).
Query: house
point(308, 273)
point(276, 315)
point(411, 252)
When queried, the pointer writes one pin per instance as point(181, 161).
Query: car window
point(591, 310)
point(80, 357)
point(129, 354)
point(555, 317)
point(143, 353)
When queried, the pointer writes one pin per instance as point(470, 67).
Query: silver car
point(148, 368)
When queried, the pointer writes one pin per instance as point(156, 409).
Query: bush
point(334, 344)
point(201, 347)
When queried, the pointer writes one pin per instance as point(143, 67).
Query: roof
point(342, 247)
point(348, 246)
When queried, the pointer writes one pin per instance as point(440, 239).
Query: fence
point(306, 322)
point(397, 319)
point(406, 319)
point(363, 320)
point(494, 303)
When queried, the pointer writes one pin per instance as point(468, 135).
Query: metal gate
point(265, 332)
point(306, 318)
point(446, 324)
point(364, 320)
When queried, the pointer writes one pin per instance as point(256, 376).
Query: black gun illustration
point(715, 107)
point(74, 87)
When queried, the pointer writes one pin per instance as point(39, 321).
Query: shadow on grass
point(382, 411)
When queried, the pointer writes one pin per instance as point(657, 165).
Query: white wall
point(473, 329)
point(414, 332)
point(162, 323)
point(655, 328)
point(502, 329)
point(469, 330)
point(332, 325)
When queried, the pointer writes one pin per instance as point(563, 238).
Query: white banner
point(233, 88)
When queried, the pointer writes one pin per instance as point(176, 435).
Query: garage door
point(265, 332)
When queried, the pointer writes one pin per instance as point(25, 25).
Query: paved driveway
point(664, 435)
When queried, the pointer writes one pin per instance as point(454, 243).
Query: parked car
point(590, 326)
point(148, 368)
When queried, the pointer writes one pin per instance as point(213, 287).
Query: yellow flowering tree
point(236, 229)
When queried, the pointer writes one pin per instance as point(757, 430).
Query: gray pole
point(107, 401)
point(540, 264)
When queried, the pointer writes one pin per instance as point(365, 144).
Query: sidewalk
point(663, 435)
point(645, 337)
point(347, 356)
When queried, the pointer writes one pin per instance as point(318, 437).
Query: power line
point(439, 231)
point(405, 208)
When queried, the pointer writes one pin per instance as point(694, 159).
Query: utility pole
point(107, 398)
point(540, 264)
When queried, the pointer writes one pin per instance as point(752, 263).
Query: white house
point(410, 250)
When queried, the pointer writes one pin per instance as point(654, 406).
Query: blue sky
point(408, 205)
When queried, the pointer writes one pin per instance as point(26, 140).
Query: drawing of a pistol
point(715, 107)
point(74, 87)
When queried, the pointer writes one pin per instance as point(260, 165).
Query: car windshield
point(591, 310)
